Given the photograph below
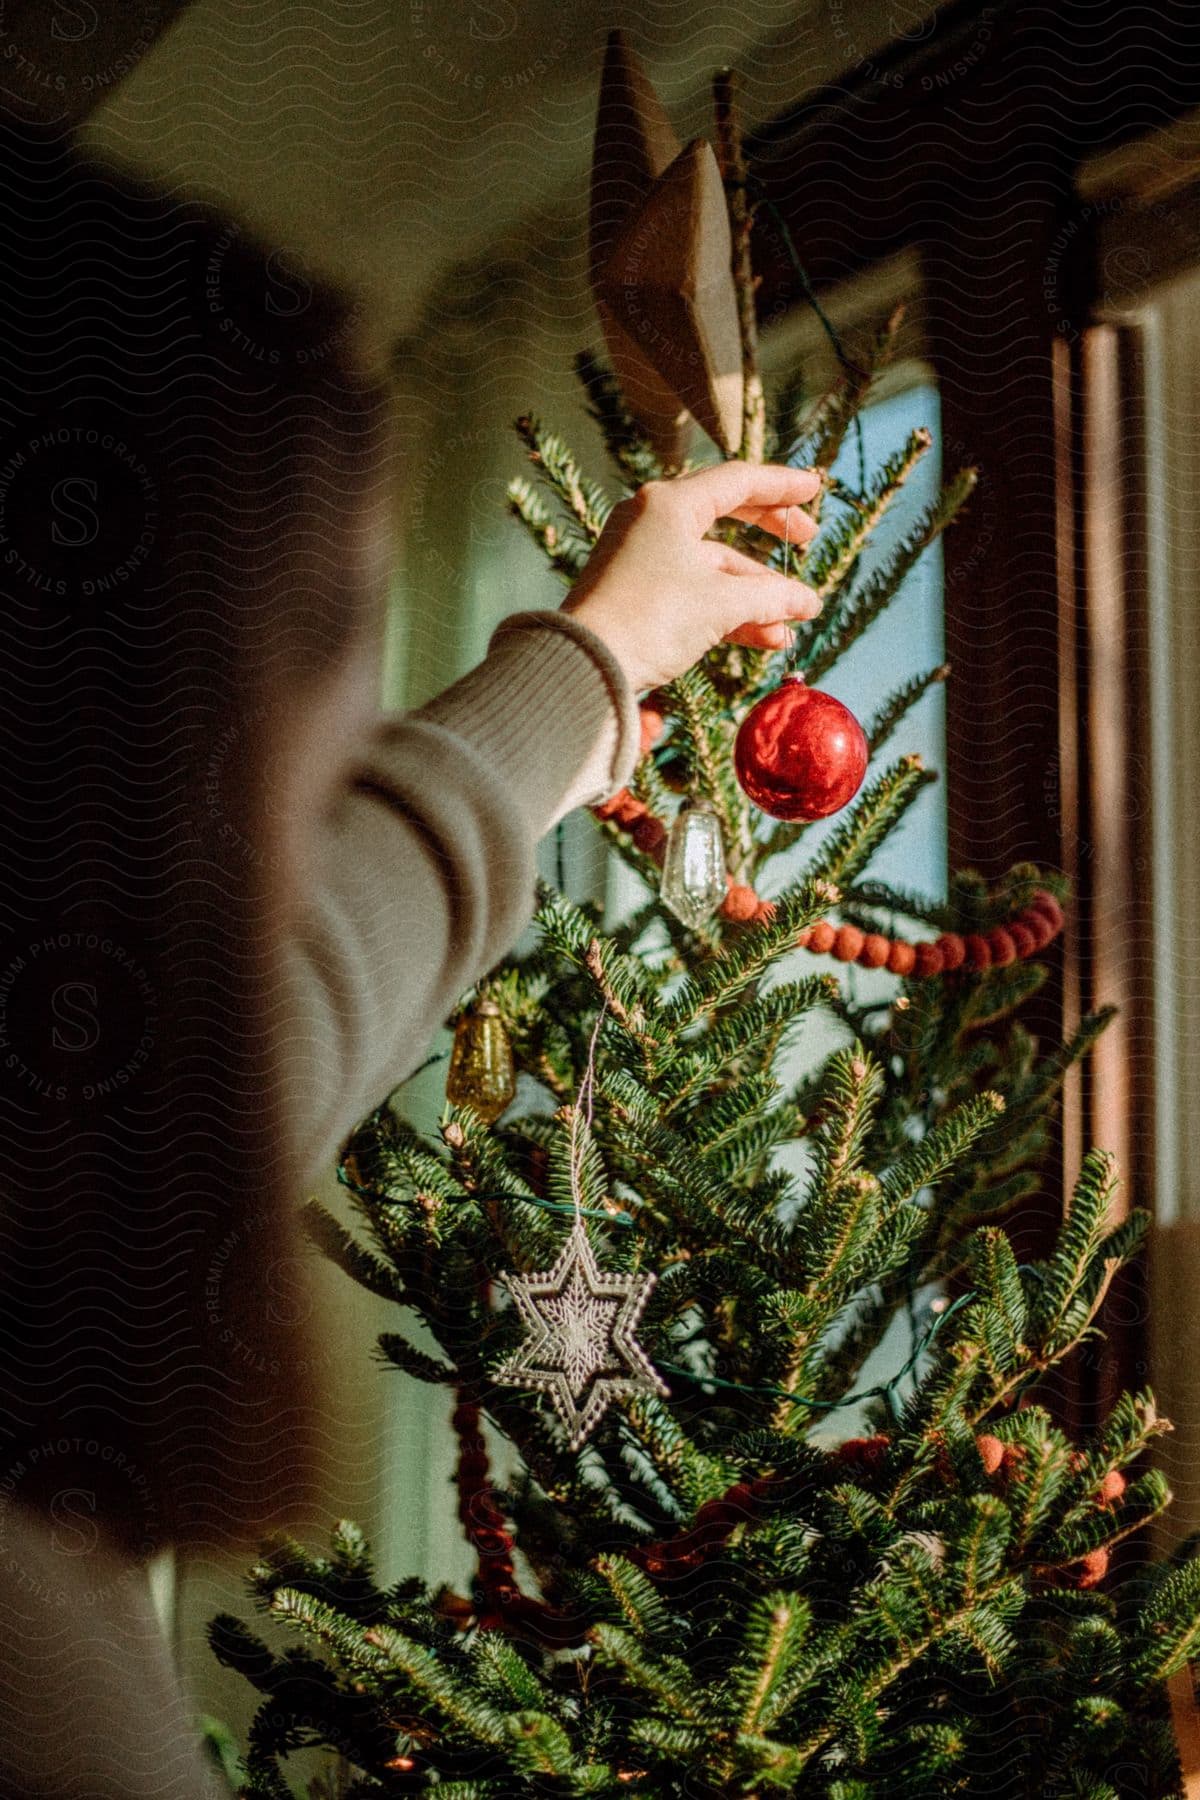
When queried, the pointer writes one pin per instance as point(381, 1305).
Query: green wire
point(885, 1391)
point(761, 198)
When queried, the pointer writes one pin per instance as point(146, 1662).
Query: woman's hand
point(660, 593)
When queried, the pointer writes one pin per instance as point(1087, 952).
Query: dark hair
point(193, 479)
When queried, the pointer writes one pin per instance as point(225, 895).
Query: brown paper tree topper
point(660, 255)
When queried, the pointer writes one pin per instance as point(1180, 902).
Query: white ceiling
point(384, 140)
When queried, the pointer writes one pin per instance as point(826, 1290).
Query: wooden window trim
point(968, 166)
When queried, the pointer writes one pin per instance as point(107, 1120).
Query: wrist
point(615, 638)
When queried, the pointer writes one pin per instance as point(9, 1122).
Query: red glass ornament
point(800, 754)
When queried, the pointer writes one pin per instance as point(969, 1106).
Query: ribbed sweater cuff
point(620, 693)
point(550, 711)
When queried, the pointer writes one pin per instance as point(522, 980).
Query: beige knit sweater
point(423, 876)
point(270, 897)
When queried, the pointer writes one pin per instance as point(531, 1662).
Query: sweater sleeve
point(425, 873)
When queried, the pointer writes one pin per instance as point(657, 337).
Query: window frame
point(957, 163)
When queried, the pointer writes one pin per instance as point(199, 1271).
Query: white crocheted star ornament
point(579, 1345)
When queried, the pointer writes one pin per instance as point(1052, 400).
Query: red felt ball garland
point(1027, 933)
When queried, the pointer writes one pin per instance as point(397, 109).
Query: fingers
point(760, 594)
point(791, 522)
point(735, 562)
point(760, 637)
point(758, 492)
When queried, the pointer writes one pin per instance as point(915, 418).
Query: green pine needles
point(750, 1588)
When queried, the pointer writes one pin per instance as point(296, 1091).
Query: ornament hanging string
point(792, 659)
point(583, 1103)
point(579, 1319)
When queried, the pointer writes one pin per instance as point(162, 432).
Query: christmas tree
point(659, 1271)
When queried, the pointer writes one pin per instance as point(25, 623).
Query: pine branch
point(681, 1192)
point(698, 732)
point(941, 1149)
point(1131, 1427)
point(666, 1679)
point(821, 644)
point(775, 1633)
point(504, 1674)
point(897, 706)
point(1003, 1310)
point(1032, 1096)
point(352, 1644)
point(574, 1156)
point(756, 1029)
point(565, 553)
point(653, 792)
point(1068, 1282)
point(638, 1601)
point(621, 978)
point(624, 438)
point(783, 408)
point(425, 1673)
point(556, 465)
point(876, 813)
point(890, 1668)
point(539, 1747)
point(330, 1236)
point(387, 1153)
point(1168, 1626)
point(882, 897)
point(622, 996)
point(236, 1647)
point(719, 981)
point(822, 434)
point(832, 556)
point(406, 1357)
point(1085, 1530)
point(1065, 1296)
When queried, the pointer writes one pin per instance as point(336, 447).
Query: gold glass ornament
point(481, 1062)
point(693, 878)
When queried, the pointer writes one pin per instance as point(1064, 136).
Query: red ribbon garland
point(500, 1605)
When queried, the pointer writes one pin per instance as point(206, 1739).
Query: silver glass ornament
point(693, 878)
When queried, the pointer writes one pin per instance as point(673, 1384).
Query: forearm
point(426, 875)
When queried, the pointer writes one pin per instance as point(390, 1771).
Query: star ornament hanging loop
point(580, 1346)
